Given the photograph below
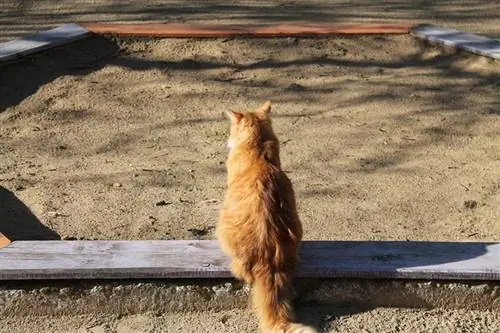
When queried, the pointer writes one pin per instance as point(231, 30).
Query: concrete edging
point(459, 40)
point(124, 298)
point(44, 40)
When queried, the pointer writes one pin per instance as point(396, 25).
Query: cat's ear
point(265, 108)
point(235, 117)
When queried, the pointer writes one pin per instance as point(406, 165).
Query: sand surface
point(383, 138)
point(348, 320)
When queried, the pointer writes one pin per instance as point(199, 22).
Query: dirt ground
point(346, 320)
point(384, 138)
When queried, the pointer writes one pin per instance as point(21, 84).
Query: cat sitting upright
point(259, 227)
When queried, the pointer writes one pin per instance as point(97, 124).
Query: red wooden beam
point(4, 241)
point(221, 30)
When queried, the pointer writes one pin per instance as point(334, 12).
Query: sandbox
point(385, 137)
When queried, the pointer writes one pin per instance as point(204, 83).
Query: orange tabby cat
point(259, 227)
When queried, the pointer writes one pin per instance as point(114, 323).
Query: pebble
point(53, 214)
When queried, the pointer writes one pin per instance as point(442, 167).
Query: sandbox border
point(17, 257)
point(68, 33)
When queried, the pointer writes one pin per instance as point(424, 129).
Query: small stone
point(66, 291)
point(117, 185)
point(45, 290)
point(480, 289)
point(470, 204)
point(163, 203)
point(495, 292)
point(224, 319)
point(97, 289)
point(53, 214)
point(295, 87)
point(152, 219)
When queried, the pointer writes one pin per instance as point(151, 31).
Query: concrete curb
point(124, 298)
point(42, 41)
point(458, 39)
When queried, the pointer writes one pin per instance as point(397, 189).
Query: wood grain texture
point(4, 241)
point(220, 30)
point(202, 259)
point(44, 40)
point(459, 39)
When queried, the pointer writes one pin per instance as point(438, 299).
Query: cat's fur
point(259, 227)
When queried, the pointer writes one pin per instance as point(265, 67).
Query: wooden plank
point(459, 39)
point(41, 41)
point(4, 241)
point(220, 30)
point(23, 260)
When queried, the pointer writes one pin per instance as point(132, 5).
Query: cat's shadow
point(319, 316)
point(17, 221)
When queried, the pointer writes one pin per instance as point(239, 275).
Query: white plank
point(41, 41)
point(459, 39)
point(23, 260)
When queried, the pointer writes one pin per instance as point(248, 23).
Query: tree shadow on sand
point(30, 73)
point(89, 55)
point(17, 221)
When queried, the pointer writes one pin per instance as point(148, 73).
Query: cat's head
point(251, 127)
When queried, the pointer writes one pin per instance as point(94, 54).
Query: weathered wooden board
point(3, 240)
point(41, 41)
point(202, 259)
point(459, 39)
point(231, 30)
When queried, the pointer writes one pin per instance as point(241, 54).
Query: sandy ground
point(20, 17)
point(384, 138)
point(348, 320)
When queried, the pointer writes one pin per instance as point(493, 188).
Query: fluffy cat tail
point(271, 300)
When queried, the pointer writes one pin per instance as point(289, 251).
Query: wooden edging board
point(23, 260)
point(249, 30)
